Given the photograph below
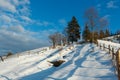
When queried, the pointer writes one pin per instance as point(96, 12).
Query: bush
point(9, 54)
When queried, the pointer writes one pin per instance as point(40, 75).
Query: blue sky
point(57, 11)
point(26, 24)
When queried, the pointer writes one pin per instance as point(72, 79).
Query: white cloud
point(44, 23)
point(5, 18)
point(27, 19)
point(24, 1)
point(112, 4)
point(17, 39)
point(15, 2)
point(14, 36)
point(106, 17)
point(18, 29)
point(20, 2)
point(24, 9)
point(7, 6)
point(15, 9)
point(62, 22)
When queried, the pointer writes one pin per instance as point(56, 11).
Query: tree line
point(95, 28)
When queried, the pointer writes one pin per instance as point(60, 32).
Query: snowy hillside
point(81, 63)
point(115, 38)
point(116, 46)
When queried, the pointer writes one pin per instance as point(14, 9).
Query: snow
point(81, 63)
point(113, 38)
point(116, 46)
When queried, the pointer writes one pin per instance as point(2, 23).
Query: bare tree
point(56, 39)
point(95, 23)
point(52, 38)
point(91, 16)
point(103, 23)
point(64, 40)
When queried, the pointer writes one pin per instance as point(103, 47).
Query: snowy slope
point(116, 46)
point(80, 64)
point(114, 39)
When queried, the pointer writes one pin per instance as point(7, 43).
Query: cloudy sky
point(26, 24)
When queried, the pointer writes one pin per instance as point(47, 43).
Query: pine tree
point(118, 32)
point(86, 33)
point(107, 33)
point(73, 30)
point(102, 34)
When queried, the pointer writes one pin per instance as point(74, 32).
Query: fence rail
point(115, 56)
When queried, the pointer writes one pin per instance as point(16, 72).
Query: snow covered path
point(85, 65)
point(81, 64)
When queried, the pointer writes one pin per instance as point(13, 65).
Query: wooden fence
point(115, 57)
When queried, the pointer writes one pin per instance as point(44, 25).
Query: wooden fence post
point(118, 62)
point(112, 50)
point(100, 46)
point(109, 49)
point(112, 53)
point(103, 46)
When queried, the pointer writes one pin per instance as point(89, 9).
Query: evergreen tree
point(102, 34)
point(73, 30)
point(96, 36)
point(118, 32)
point(86, 33)
point(107, 33)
